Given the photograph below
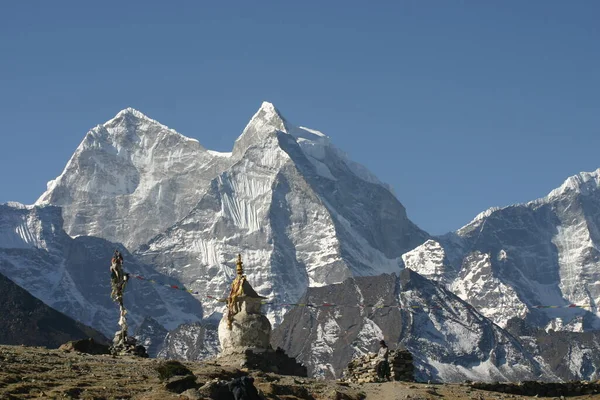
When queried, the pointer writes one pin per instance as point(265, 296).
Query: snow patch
point(427, 260)
point(322, 348)
point(219, 153)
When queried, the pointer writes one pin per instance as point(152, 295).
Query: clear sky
point(459, 105)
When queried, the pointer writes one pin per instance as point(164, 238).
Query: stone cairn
point(123, 344)
point(245, 333)
point(364, 369)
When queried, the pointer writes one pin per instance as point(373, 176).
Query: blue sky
point(459, 105)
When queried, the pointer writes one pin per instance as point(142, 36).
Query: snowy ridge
point(545, 252)
point(316, 146)
point(360, 170)
point(129, 111)
point(16, 204)
point(219, 154)
point(585, 183)
point(313, 144)
point(478, 222)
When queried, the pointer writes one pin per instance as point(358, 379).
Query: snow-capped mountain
point(303, 215)
point(528, 260)
point(449, 340)
point(72, 274)
point(130, 179)
point(297, 209)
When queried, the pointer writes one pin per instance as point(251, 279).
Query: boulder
point(88, 346)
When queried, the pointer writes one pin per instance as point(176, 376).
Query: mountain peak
point(129, 119)
point(583, 182)
point(263, 123)
point(130, 113)
point(268, 107)
point(268, 116)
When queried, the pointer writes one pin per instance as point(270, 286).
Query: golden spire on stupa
point(240, 266)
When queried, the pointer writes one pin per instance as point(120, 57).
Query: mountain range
point(72, 274)
point(534, 261)
point(309, 223)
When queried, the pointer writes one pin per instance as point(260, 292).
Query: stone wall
point(363, 369)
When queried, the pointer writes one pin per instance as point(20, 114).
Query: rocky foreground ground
point(37, 372)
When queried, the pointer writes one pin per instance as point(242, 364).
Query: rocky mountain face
point(28, 321)
point(528, 261)
point(449, 340)
point(72, 274)
point(151, 334)
point(569, 355)
point(191, 342)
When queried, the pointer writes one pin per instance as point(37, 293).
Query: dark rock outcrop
point(87, 346)
point(26, 320)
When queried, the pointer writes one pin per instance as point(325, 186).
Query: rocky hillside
point(570, 355)
point(446, 336)
point(26, 320)
point(33, 372)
